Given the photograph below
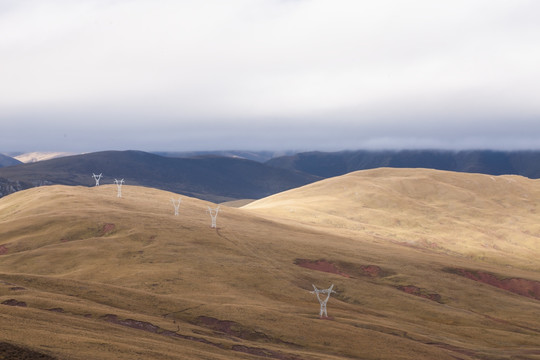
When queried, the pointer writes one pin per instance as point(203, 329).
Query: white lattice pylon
point(97, 177)
point(119, 186)
point(213, 214)
point(321, 301)
point(176, 204)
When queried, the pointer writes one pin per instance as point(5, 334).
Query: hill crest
point(479, 216)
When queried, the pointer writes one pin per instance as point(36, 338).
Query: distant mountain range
point(259, 156)
point(211, 178)
point(8, 161)
point(330, 164)
point(40, 156)
point(232, 177)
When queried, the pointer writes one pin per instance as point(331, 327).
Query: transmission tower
point(213, 214)
point(321, 301)
point(97, 177)
point(176, 204)
point(119, 186)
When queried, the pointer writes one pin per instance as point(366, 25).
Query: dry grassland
point(87, 275)
point(490, 218)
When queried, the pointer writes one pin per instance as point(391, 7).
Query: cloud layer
point(269, 74)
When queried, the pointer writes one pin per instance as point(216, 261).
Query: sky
point(186, 75)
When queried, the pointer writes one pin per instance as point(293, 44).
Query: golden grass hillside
point(491, 218)
point(87, 275)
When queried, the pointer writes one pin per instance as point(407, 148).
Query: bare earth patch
point(343, 268)
point(423, 293)
point(141, 325)
point(523, 287)
point(221, 324)
point(321, 265)
point(371, 270)
point(13, 302)
point(107, 228)
point(3, 250)
point(237, 330)
point(10, 351)
point(58, 310)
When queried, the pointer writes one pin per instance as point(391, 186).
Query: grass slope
point(490, 218)
point(84, 274)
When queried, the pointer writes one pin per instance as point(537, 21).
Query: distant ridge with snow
point(40, 156)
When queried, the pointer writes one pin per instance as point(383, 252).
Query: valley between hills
point(426, 264)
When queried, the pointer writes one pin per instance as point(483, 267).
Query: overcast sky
point(269, 74)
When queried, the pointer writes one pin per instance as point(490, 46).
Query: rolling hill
point(84, 274)
point(493, 218)
point(212, 178)
point(330, 164)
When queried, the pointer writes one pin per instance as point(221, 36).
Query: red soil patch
point(523, 287)
point(344, 269)
point(13, 302)
point(321, 265)
point(416, 291)
point(371, 270)
point(107, 228)
point(3, 250)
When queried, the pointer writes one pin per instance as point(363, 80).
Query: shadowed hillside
point(259, 156)
point(212, 178)
point(8, 161)
point(329, 164)
point(87, 275)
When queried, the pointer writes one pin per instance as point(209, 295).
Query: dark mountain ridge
point(8, 161)
point(211, 178)
point(259, 156)
point(220, 179)
point(329, 164)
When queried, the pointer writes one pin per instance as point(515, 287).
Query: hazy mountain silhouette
point(8, 161)
point(259, 156)
point(211, 178)
point(329, 164)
